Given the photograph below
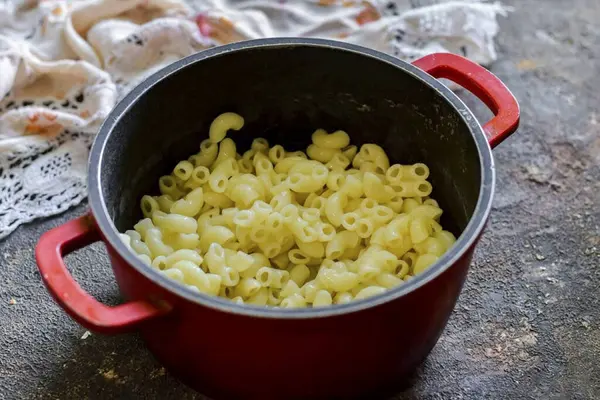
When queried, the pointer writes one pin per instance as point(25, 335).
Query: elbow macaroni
point(290, 229)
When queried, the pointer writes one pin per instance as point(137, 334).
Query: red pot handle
point(86, 310)
point(483, 84)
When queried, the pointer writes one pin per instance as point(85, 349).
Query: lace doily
point(64, 64)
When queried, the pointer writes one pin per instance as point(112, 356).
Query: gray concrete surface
point(528, 323)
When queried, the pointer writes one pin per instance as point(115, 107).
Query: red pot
point(285, 88)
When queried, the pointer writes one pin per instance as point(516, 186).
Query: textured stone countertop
point(527, 325)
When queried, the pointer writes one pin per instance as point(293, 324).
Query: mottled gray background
point(527, 325)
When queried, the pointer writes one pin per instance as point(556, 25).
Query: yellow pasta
point(183, 254)
point(276, 154)
point(322, 298)
point(293, 301)
point(321, 154)
point(269, 227)
point(190, 204)
point(137, 245)
point(215, 235)
point(334, 208)
point(223, 123)
point(343, 298)
point(247, 287)
point(183, 170)
point(335, 140)
point(368, 292)
point(299, 274)
point(208, 154)
point(271, 277)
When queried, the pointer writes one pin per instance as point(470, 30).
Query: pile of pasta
point(290, 229)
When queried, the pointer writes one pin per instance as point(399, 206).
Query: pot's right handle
point(483, 84)
point(86, 310)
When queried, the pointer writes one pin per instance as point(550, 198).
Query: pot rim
point(463, 245)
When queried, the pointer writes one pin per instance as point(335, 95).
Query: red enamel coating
point(93, 315)
point(483, 84)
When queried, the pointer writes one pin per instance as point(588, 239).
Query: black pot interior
point(285, 93)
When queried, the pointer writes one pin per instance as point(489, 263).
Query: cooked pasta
point(275, 228)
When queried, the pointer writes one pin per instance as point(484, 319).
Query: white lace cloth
point(64, 64)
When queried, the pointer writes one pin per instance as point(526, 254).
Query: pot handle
point(483, 84)
point(82, 307)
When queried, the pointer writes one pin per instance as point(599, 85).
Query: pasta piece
point(420, 229)
point(164, 203)
point(338, 162)
point(342, 240)
point(343, 298)
point(136, 244)
point(299, 274)
point(227, 152)
point(427, 211)
point(174, 222)
point(281, 261)
point(290, 288)
point(217, 200)
point(270, 249)
point(312, 249)
point(431, 245)
point(310, 289)
point(149, 206)
point(260, 298)
point(190, 205)
point(247, 287)
point(284, 166)
point(369, 292)
point(339, 281)
point(155, 243)
point(334, 208)
point(298, 257)
point(260, 145)
point(223, 123)
point(402, 269)
point(375, 154)
point(239, 260)
point(321, 154)
point(200, 175)
point(183, 170)
point(208, 154)
point(293, 301)
point(275, 297)
point(271, 277)
point(364, 228)
point(276, 154)
point(446, 237)
point(375, 188)
point(415, 172)
point(322, 298)
point(183, 255)
point(388, 280)
point(353, 187)
point(412, 188)
point(325, 232)
point(423, 262)
point(335, 140)
point(168, 186)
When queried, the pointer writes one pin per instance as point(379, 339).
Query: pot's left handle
point(93, 315)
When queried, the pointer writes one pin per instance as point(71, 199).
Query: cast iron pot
point(286, 88)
